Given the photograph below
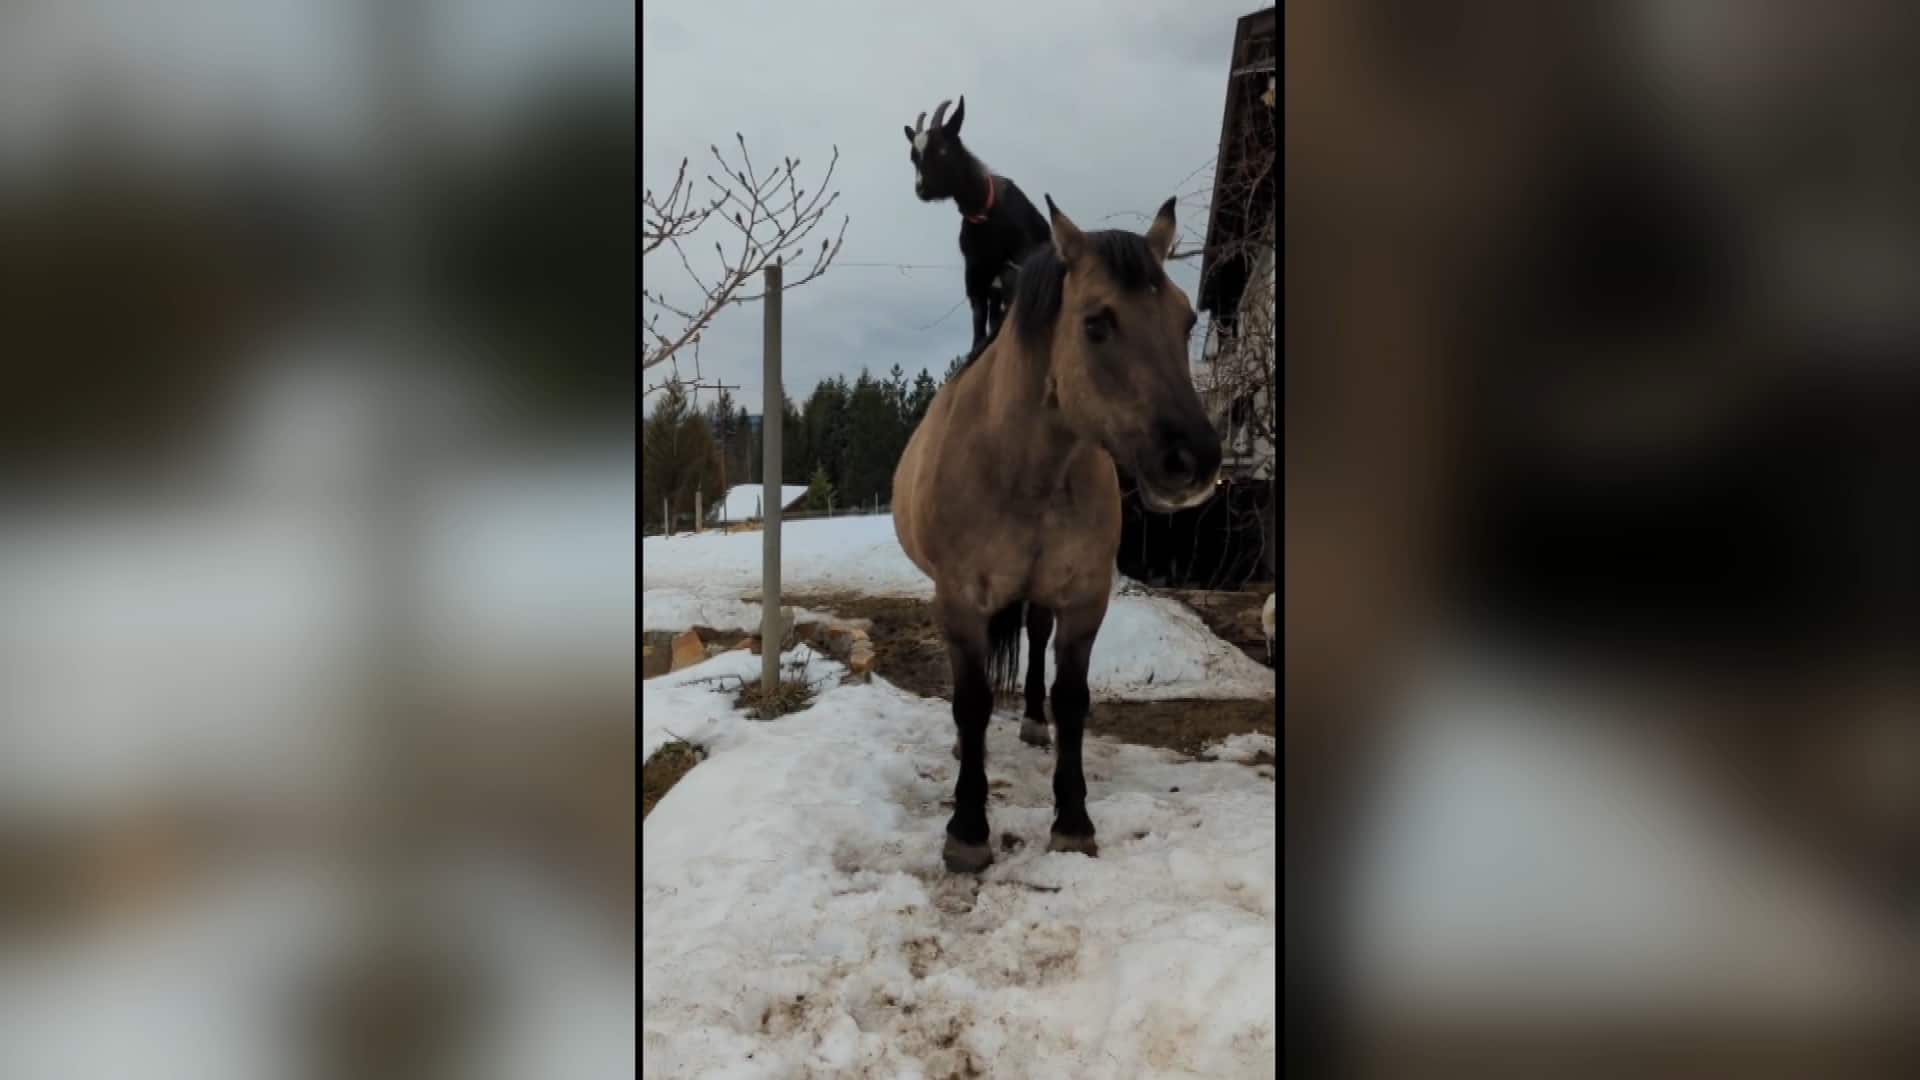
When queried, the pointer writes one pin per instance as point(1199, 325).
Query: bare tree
point(1236, 366)
point(772, 217)
point(1238, 357)
point(1239, 370)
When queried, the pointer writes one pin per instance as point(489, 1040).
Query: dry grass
point(664, 769)
point(790, 695)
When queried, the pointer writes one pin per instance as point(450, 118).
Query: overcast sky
point(1108, 105)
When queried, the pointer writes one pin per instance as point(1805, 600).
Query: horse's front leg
point(1033, 727)
point(1072, 828)
point(969, 847)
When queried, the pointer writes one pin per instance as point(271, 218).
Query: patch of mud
point(656, 653)
point(923, 955)
point(1051, 955)
point(663, 770)
point(935, 1039)
point(1186, 727)
point(952, 894)
point(908, 653)
point(907, 650)
point(799, 1014)
point(1232, 614)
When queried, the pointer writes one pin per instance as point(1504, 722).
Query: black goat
point(999, 227)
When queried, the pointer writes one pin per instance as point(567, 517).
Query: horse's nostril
point(1180, 464)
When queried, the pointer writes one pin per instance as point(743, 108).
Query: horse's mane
point(1039, 292)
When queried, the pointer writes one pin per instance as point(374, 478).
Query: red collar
point(981, 217)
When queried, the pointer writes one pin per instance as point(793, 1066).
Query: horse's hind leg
point(968, 848)
point(1033, 727)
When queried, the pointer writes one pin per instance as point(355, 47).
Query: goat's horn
point(920, 124)
point(940, 113)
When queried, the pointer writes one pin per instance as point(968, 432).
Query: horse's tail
point(1003, 647)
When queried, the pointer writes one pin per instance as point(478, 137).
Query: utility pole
point(772, 633)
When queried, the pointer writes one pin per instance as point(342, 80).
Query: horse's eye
point(1100, 327)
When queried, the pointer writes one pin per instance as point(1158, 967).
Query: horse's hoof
point(1034, 732)
point(1083, 845)
point(964, 858)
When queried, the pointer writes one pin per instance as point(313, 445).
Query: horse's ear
point(959, 114)
point(1160, 234)
point(1068, 240)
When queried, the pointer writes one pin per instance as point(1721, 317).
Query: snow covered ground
point(743, 502)
point(1149, 648)
point(855, 554)
point(796, 921)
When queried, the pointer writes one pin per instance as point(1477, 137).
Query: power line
point(898, 265)
point(941, 319)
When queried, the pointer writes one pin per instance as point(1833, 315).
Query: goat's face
point(940, 162)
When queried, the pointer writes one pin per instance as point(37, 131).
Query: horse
point(1008, 496)
point(999, 226)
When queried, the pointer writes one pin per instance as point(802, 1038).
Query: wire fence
point(683, 521)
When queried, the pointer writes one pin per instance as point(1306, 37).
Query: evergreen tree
point(896, 391)
point(825, 422)
point(749, 447)
point(953, 368)
point(819, 490)
point(796, 457)
point(920, 399)
point(729, 434)
point(875, 439)
point(678, 458)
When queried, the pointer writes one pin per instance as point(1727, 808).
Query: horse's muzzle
point(1181, 472)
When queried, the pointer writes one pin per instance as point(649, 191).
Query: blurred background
point(316, 538)
point(1602, 541)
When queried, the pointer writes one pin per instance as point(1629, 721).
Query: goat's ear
point(1068, 241)
point(1160, 234)
point(909, 130)
point(959, 114)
